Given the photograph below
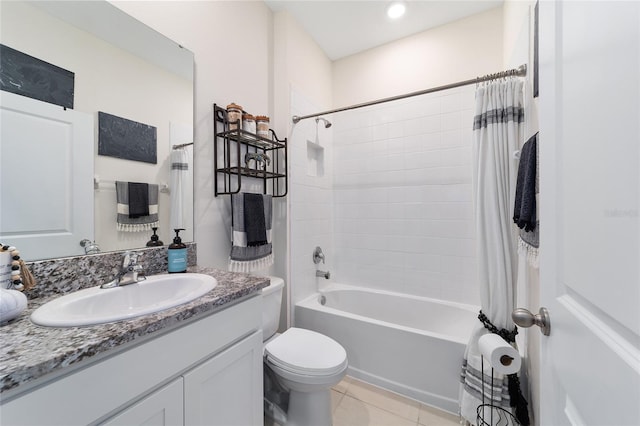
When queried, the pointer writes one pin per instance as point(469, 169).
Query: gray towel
point(141, 223)
point(245, 258)
point(524, 212)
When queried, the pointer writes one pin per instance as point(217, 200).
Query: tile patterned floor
point(357, 403)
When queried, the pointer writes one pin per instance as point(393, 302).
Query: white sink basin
point(97, 306)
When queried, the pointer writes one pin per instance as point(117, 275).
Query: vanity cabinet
point(207, 372)
point(164, 407)
point(222, 392)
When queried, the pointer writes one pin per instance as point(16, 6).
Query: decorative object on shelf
point(138, 221)
point(260, 158)
point(12, 303)
point(234, 115)
point(18, 275)
point(248, 123)
point(262, 126)
point(233, 145)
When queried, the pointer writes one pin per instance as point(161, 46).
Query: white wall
point(303, 75)
point(518, 49)
point(457, 51)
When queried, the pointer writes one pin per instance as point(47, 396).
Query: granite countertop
point(29, 352)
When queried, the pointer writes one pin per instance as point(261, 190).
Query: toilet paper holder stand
point(489, 414)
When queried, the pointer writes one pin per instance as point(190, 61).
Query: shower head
point(327, 123)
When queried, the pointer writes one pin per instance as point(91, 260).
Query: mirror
point(123, 68)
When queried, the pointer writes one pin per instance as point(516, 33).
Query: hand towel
point(524, 214)
point(127, 223)
point(243, 257)
point(254, 224)
point(138, 199)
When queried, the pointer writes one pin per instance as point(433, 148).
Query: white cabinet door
point(46, 177)
point(590, 220)
point(227, 389)
point(165, 407)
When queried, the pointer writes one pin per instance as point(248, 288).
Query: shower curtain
point(180, 178)
point(497, 133)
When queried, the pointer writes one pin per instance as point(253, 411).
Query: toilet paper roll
point(503, 357)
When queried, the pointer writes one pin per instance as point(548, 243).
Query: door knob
point(524, 318)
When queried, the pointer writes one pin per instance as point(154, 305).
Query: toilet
point(303, 363)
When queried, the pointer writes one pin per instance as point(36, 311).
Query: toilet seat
point(306, 353)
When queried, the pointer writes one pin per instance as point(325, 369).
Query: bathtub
point(407, 344)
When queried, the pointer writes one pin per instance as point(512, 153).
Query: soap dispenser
point(155, 240)
point(177, 254)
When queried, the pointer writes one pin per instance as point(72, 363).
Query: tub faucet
point(323, 274)
point(130, 273)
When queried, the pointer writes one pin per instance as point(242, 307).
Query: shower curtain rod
point(182, 145)
point(521, 71)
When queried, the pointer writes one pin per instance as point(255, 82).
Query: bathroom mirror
point(123, 68)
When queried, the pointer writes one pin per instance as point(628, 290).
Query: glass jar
point(249, 123)
point(234, 115)
point(262, 126)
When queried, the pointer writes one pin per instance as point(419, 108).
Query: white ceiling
point(343, 28)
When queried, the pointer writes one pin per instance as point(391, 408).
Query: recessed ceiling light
point(396, 10)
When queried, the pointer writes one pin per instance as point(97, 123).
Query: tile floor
point(356, 403)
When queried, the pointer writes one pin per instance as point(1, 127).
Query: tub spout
point(323, 274)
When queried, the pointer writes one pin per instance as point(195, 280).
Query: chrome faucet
point(90, 247)
point(323, 274)
point(130, 273)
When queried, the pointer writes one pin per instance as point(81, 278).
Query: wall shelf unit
point(239, 154)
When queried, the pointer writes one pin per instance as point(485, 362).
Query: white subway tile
point(451, 121)
point(434, 123)
point(451, 103)
point(456, 192)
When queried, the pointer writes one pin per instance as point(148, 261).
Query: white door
point(589, 222)
point(46, 177)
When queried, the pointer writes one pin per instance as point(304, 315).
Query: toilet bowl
point(306, 363)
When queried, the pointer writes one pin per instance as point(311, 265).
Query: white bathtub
point(407, 344)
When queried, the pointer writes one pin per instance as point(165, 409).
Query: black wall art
point(28, 76)
point(126, 139)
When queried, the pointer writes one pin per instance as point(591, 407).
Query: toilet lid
point(306, 352)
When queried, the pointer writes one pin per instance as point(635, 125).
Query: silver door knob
point(524, 318)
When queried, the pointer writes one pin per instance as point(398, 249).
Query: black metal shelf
point(231, 147)
point(249, 172)
point(251, 139)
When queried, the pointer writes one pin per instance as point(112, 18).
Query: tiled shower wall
point(310, 198)
point(402, 201)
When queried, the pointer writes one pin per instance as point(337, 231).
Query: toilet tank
point(271, 301)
